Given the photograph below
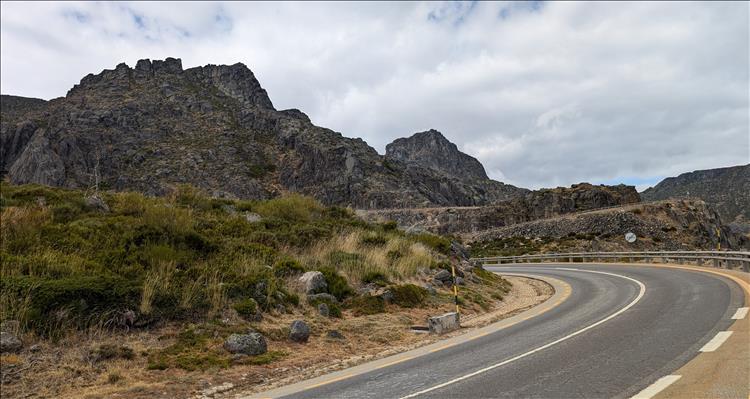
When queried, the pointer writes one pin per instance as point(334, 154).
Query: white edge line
point(716, 341)
point(658, 386)
point(740, 314)
point(480, 371)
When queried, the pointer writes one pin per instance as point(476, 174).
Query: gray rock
point(387, 296)
point(323, 310)
point(430, 289)
point(299, 331)
point(248, 344)
point(444, 323)
point(460, 281)
point(444, 276)
point(9, 342)
point(334, 334)
point(97, 203)
point(252, 217)
point(313, 282)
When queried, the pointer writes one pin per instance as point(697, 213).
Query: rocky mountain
point(534, 205)
point(149, 127)
point(727, 190)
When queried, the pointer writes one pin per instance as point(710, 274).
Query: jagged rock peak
point(432, 150)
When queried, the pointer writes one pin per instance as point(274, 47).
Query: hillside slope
point(149, 127)
point(727, 190)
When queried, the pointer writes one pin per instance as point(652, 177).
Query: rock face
point(666, 225)
point(432, 150)
point(247, 344)
point(534, 205)
point(727, 190)
point(155, 125)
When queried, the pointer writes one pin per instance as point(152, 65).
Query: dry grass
point(157, 279)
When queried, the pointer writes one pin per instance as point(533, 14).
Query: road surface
point(618, 331)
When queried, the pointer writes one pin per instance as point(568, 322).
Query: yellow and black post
point(718, 239)
point(455, 288)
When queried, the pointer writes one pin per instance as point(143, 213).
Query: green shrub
point(110, 351)
point(246, 308)
point(293, 208)
point(333, 308)
point(366, 305)
point(287, 268)
point(374, 239)
point(437, 243)
point(337, 285)
point(408, 295)
point(390, 226)
point(375, 277)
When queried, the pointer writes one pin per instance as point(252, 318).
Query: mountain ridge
point(155, 125)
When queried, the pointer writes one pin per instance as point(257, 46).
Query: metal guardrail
point(719, 259)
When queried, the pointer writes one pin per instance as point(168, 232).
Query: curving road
point(619, 329)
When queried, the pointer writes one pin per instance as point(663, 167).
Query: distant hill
point(150, 127)
point(727, 190)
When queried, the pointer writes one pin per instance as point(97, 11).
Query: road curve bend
point(618, 333)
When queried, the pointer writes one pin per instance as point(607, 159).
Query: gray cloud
point(543, 94)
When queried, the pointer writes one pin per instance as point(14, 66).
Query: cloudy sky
point(544, 94)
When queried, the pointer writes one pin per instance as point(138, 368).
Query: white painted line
point(716, 341)
point(656, 387)
point(543, 347)
point(740, 313)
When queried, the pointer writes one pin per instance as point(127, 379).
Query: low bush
point(437, 243)
point(287, 268)
point(246, 308)
point(408, 295)
point(374, 239)
point(364, 305)
point(337, 284)
point(333, 308)
point(375, 277)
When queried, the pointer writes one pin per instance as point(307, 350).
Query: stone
point(323, 310)
point(430, 289)
point(334, 334)
point(95, 202)
point(252, 217)
point(299, 331)
point(313, 282)
point(9, 342)
point(443, 323)
point(460, 281)
point(444, 276)
point(249, 344)
point(387, 296)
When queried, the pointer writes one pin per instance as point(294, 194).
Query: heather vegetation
point(73, 262)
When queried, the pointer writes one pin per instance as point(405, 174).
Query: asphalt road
point(617, 333)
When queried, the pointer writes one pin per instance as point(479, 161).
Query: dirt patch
point(70, 368)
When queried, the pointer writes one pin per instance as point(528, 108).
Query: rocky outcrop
point(432, 150)
point(727, 190)
point(149, 127)
point(666, 225)
point(534, 205)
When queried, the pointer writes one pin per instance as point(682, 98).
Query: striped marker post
point(455, 288)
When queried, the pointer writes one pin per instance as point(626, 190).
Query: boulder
point(249, 344)
point(9, 342)
point(444, 276)
point(299, 331)
point(444, 323)
point(313, 282)
point(323, 310)
point(460, 281)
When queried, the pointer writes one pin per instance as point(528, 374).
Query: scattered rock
point(437, 283)
point(208, 392)
point(430, 289)
point(334, 334)
point(248, 344)
point(313, 282)
point(299, 331)
point(252, 217)
point(460, 281)
point(95, 202)
point(323, 310)
point(9, 342)
point(444, 276)
point(10, 326)
point(459, 251)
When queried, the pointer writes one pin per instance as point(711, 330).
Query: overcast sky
point(543, 94)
